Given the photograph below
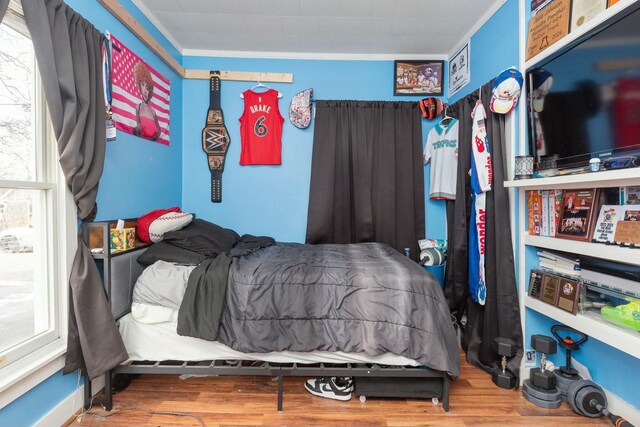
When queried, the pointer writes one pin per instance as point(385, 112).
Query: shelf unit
point(596, 250)
point(623, 339)
point(627, 341)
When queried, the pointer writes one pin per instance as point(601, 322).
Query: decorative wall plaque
point(548, 26)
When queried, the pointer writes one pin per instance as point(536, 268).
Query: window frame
point(39, 357)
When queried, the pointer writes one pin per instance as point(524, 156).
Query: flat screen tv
point(585, 101)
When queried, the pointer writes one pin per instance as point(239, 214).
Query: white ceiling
point(396, 28)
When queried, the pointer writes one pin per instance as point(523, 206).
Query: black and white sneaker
point(338, 388)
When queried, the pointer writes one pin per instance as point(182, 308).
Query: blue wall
point(139, 176)
point(273, 200)
point(494, 47)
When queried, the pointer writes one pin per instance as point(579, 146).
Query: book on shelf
point(543, 208)
point(565, 257)
point(534, 212)
point(555, 201)
point(562, 264)
point(544, 214)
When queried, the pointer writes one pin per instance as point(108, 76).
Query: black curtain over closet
point(68, 51)
point(500, 316)
point(367, 177)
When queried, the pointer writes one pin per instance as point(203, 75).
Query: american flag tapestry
point(141, 96)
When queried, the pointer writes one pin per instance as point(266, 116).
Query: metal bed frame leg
point(87, 392)
point(279, 393)
point(106, 400)
point(108, 395)
point(445, 393)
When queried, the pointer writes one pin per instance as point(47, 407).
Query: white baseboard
point(622, 408)
point(64, 410)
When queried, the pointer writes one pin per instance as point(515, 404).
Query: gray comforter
point(353, 298)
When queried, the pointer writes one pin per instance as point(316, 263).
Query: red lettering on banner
point(479, 145)
point(490, 170)
point(481, 230)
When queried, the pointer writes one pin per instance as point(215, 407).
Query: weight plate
point(583, 398)
point(540, 402)
point(563, 382)
point(581, 390)
point(550, 395)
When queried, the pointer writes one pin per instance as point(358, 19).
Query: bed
point(286, 309)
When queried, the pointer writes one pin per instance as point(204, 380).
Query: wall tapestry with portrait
point(141, 96)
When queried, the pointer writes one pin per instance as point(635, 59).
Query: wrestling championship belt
point(215, 138)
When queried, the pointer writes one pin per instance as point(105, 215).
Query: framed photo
point(459, 69)
point(578, 213)
point(418, 77)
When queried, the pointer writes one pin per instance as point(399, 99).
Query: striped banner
point(147, 118)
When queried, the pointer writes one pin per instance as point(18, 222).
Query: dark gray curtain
point(366, 174)
point(4, 4)
point(68, 51)
point(500, 316)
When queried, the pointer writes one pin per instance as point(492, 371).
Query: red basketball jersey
point(261, 129)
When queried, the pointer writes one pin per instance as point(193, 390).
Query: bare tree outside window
point(16, 112)
point(20, 302)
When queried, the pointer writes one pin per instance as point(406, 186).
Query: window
point(33, 212)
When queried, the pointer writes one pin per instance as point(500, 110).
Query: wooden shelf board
point(611, 178)
point(624, 340)
point(597, 250)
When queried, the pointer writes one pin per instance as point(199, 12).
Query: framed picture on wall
point(459, 69)
point(578, 213)
point(423, 77)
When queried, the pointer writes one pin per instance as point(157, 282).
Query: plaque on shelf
point(535, 284)
point(569, 295)
point(607, 222)
point(578, 214)
point(548, 26)
point(550, 285)
point(628, 232)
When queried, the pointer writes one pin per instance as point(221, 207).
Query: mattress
point(160, 341)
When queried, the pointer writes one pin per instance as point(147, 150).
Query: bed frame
point(124, 270)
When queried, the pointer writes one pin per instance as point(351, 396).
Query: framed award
point(568, 295)
point(578, 213)
point(550, 286)
point(535, 284)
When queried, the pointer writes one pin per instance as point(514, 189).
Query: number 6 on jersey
point(260, 128)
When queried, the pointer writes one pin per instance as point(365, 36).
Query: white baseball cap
point(506, 91)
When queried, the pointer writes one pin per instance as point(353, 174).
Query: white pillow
point(168, 222)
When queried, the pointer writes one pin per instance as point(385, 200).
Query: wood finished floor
point(251, 401)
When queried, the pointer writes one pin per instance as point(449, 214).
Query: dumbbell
point(505, 348)
point(540, 389)
point(541, 377)
point(588, 399)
